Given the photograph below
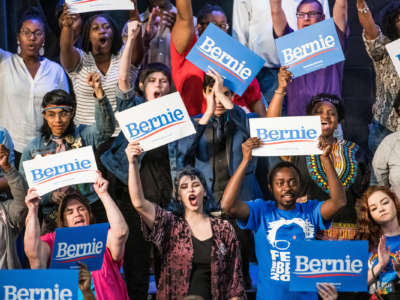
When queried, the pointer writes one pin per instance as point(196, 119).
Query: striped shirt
point(84, 93)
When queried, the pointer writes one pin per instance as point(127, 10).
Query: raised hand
point(133, 29)
point(284, 77)
point(219, 81)
point(168, 19)
point(383, 253)
point(101, 184)
point(133, 151)
point(93, 80)
point(327, 291)
point(66, 18)
point(325, 146)
point(4, 155)
point(84, 277)
point(32, 199)
point(248, 146)
point(153, 24)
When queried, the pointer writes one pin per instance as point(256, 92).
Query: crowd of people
point(193, 211)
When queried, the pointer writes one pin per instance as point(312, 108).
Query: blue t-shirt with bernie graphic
point(384, 283)
point(274, 231)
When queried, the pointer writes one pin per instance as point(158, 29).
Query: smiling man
point(327, 80)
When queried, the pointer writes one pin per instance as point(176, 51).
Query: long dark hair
point(58, 97)
point(176, 205)
point(369, 229)
point(388, 18)
point(116, 41)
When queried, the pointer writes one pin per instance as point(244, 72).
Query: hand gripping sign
point(393, 49)
point(237, 64)
point(342, 263)
point(86, 244)
point(49, 173)
point(286, 135)
point(39, 284)
point(309, 49)
point(82, 6)
point(157, 122)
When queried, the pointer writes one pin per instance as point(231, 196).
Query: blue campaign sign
point(342, 263)
point(39, 284)
point(84, 243)
point(237, 64)
point(309, 49)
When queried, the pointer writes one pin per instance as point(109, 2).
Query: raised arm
point(278, 17)
point(138, 53)
point(124, 78)
point(275, 107)
point(230, 202)
point(145, 208)
point(340, 14)
point(69, 55)
point(338, 196)
point(367, 21)
point(183, 30)
point(118, 233)
point(37, 251)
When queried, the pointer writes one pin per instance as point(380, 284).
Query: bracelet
point(364, 10)
point(280, 93)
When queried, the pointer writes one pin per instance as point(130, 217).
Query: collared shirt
point(173, 238)
point(252, 26)
point(21, 95)
point(387, 82)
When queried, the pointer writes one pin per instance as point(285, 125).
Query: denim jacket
point(194, 151)
point(84, 135)
point(115, 159)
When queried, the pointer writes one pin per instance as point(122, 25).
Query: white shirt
point(21, 95)
point(252, 26)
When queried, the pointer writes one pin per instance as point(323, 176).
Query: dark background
point(358, 82)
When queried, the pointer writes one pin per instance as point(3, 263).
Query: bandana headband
point(63, 107)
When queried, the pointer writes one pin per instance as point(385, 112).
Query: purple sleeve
point(287, 30)
point(160, 233)
point(343, 37)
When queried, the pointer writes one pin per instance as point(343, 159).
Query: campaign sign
point(51, 172)
point(157, 122)
point(393, 49)
point(286, 135)
point(86, 244)
point(39, 284)
point(341, 263)
point(236, 64)
point(309, 49)
point(82, 6)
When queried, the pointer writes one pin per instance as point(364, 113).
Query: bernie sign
point(341, 263)
point(309, 49)
point(83, 6)
point(236, 64)
point(86, 244)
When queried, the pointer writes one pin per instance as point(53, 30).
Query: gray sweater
point(12, 219)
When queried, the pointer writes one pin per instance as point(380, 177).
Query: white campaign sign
point(393, 49)
point(82, 6)
point(286, 135)
point(51, 172)
point(157, 122)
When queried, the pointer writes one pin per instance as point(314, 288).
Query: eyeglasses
point(27, 33)
point(223, 26)
point(62, 114)
point(310, 14)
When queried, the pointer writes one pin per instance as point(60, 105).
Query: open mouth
point(103, 40)
point(193, 200)
point(79, 222)
point(157, 94)
point(324, 124)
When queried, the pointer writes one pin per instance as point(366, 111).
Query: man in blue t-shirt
point(277, 223)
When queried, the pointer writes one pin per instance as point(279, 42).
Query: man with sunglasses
point(327, 80)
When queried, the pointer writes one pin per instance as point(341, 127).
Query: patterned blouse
point(387, 82)
point(173, 238)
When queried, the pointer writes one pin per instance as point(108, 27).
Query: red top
point(188, 80)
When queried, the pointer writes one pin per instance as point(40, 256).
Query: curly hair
point(369, 229)
point(388, 18)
